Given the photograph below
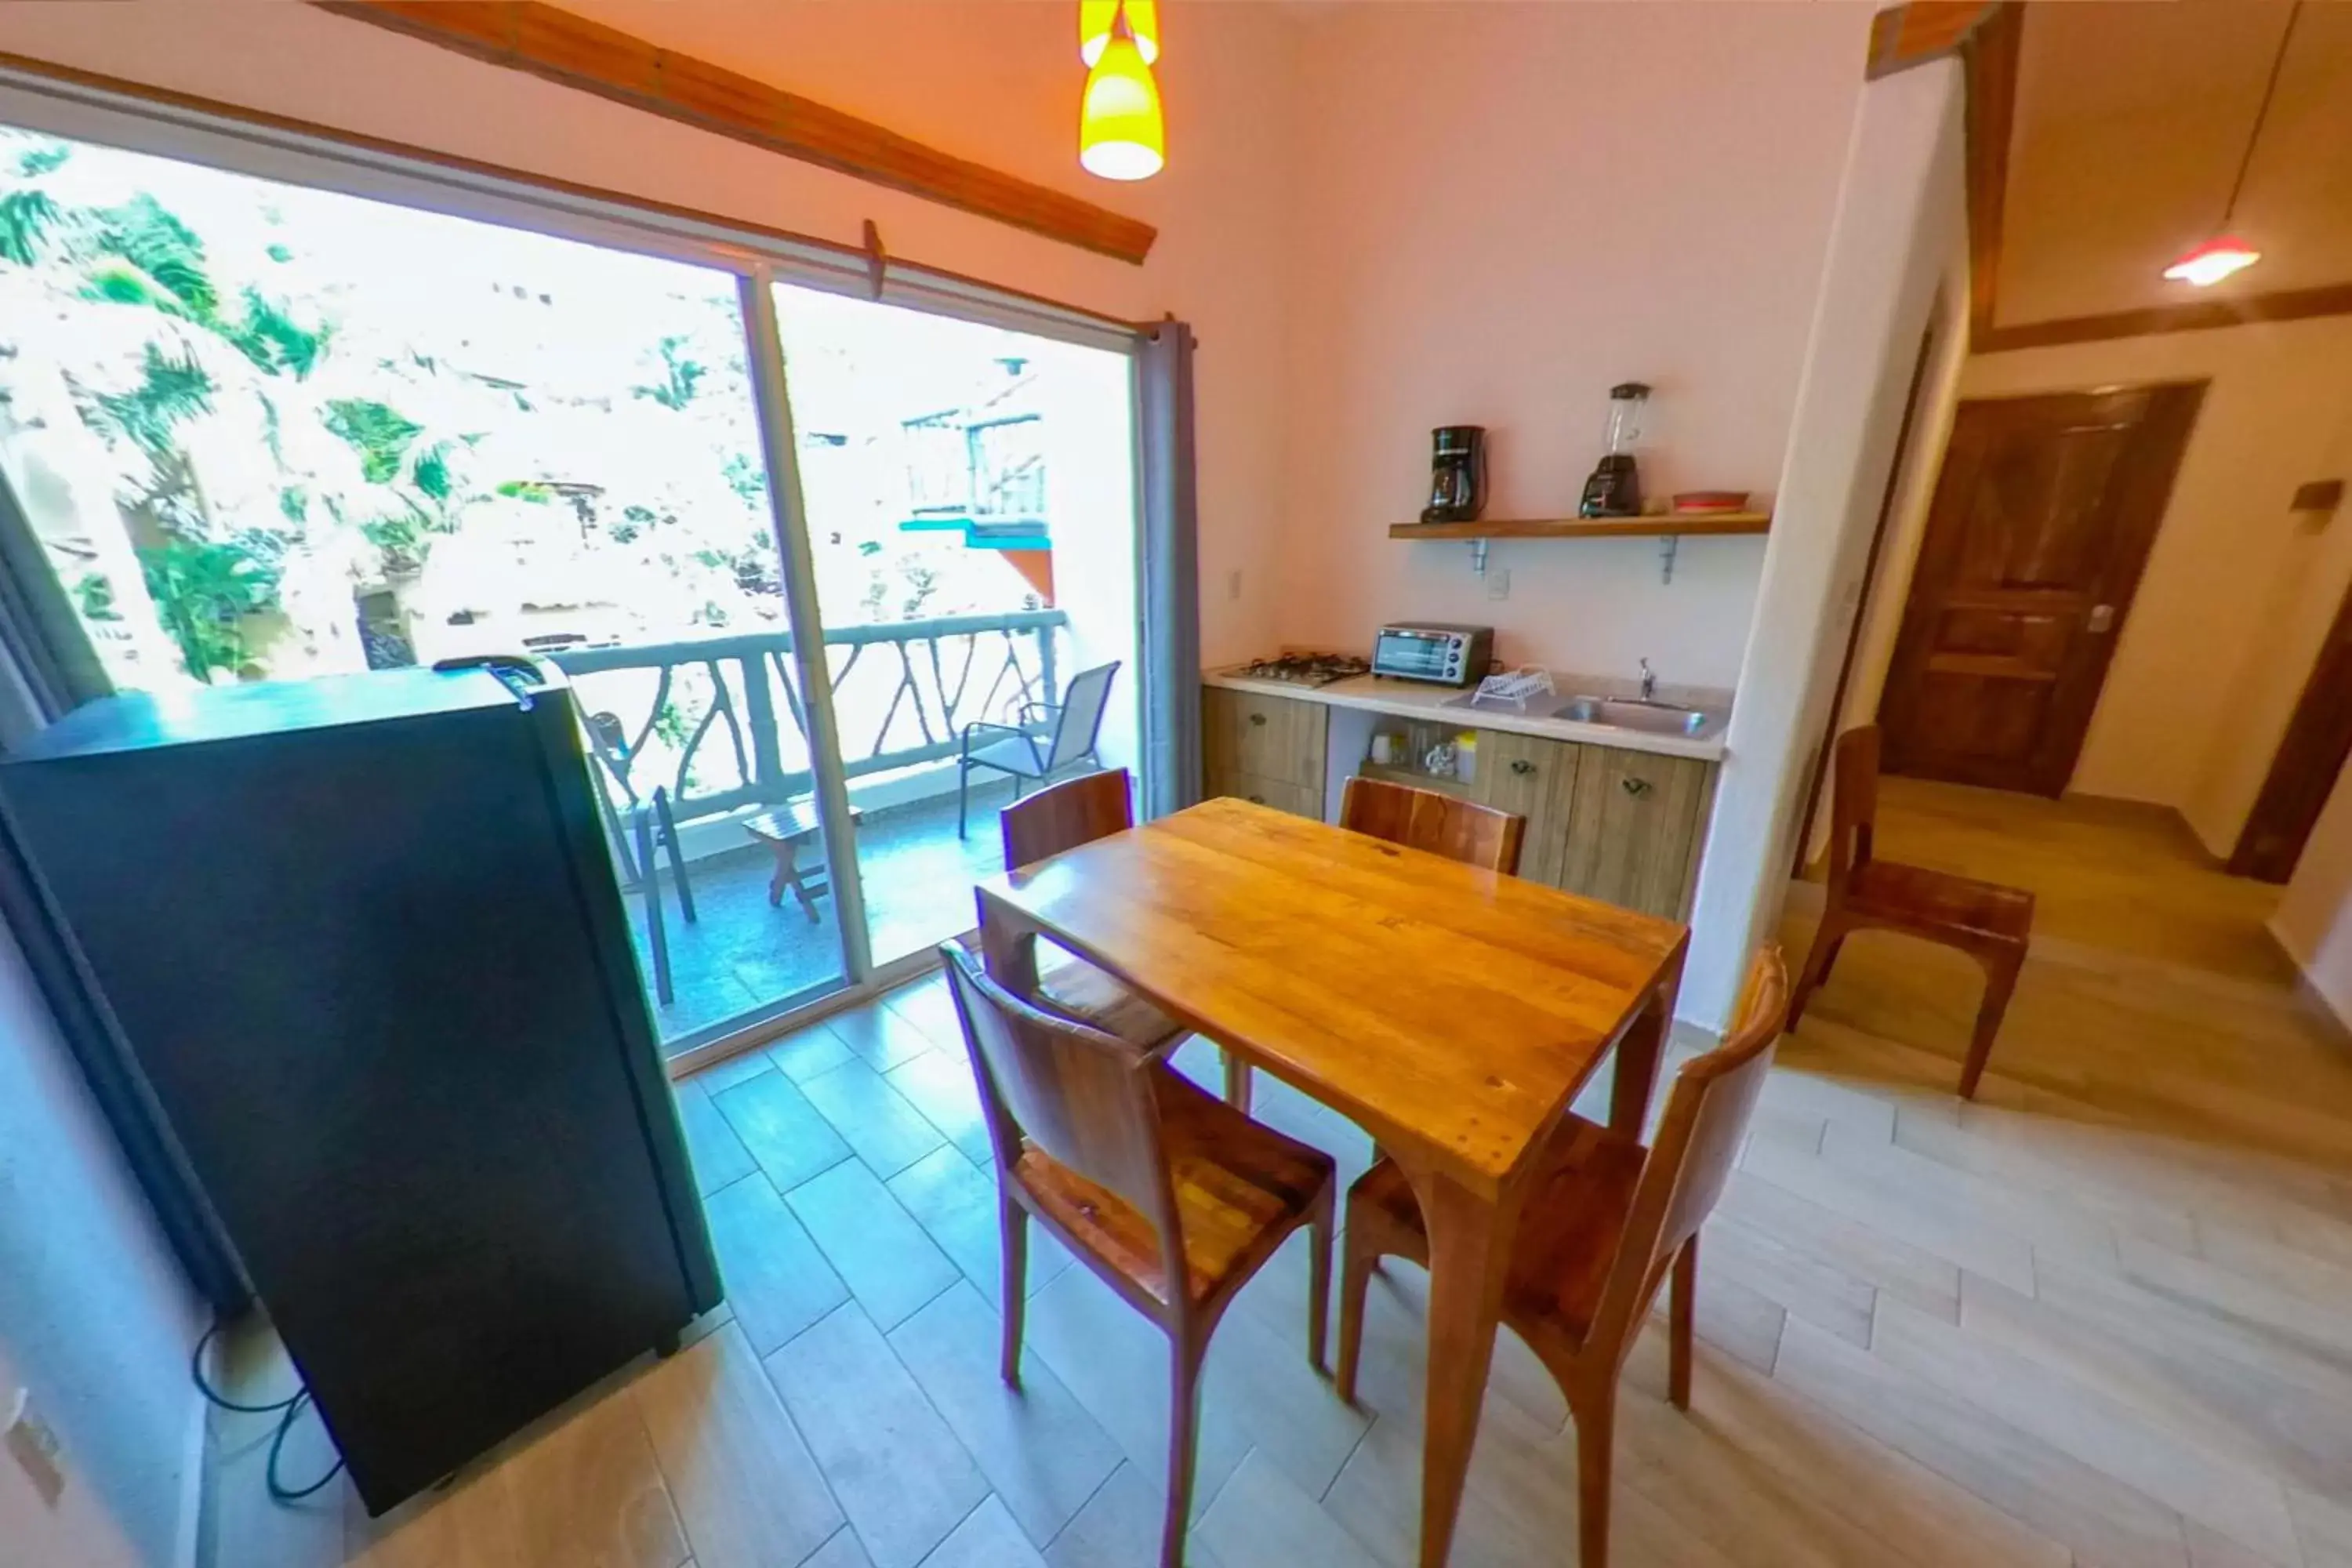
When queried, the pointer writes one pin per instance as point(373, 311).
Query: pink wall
point(1503, 209)
point(996, 81)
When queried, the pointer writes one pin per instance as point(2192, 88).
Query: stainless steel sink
point(1633, 713)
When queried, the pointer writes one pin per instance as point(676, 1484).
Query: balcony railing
point(901, 694)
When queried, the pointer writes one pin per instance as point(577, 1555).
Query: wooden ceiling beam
point(559, 46)
point(2189, 316)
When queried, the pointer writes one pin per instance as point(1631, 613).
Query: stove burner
point(1306, 669)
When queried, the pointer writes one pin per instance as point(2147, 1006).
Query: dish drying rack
point(1517, 687)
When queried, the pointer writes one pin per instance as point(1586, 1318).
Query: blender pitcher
point(1615, 488)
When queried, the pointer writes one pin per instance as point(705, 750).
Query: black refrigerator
point(346, 965)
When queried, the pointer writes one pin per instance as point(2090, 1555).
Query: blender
point(1615, 488)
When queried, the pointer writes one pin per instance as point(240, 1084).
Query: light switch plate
point(1499, 582)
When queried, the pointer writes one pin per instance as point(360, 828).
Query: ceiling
point(2131, 119)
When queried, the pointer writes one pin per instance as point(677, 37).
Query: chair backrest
point(1429, 819)
point(1854, 802)
point(1083, 1097)
point(1706, 1115)
point(1079, 723)
point(1073, 811)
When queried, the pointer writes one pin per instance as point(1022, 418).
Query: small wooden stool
point(1991, 923)
point(783, 831)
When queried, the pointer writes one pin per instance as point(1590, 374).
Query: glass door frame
point(223, 136)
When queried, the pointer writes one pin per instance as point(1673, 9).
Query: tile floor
point(2102, 1316)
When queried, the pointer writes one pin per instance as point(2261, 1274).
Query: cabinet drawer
point(1634, 828)
point(1299, 800)
point(1534, 778)
point(1276, 737)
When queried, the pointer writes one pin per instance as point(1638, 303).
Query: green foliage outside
point(206, 591)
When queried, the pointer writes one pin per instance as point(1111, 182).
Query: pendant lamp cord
point(2262, 115)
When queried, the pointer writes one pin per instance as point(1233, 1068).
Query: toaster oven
point(1433, 651)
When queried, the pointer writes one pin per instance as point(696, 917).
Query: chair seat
point(1070, 986)
point(1568, 1229)
point(1009, 756)
point(1239, 1188)
point(1920, 899)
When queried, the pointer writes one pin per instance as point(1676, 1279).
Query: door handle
point(2102, 618)
point(1521, 765)
point(1257, 718)
point(1635, 786)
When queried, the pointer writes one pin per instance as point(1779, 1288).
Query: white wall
point(2314, 920)
point(2235, 601)
point(94, 1317)
point(1503, 209)
point(1901, 211)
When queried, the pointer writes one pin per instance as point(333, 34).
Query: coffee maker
point(1457, 474)
point(1615, 488)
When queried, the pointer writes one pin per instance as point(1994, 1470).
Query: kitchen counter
point(1428, 704)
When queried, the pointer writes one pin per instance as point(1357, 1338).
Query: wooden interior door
point(2040, 525)
point(2303, 772)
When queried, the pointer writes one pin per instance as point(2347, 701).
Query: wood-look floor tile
point(941, 1086)
point(2102, 1520)
point(1884, 1259)
point(1821, 1294)
point(888, 1261)
point(2324, 1528)
point(735, 1069)
point(930, 1007)
point(591, 1492)
point(745, 1484)
point(1118, 1365)
point(874, 1118)
point(988, 1538)
point(808, 1053)
point(898, 1470)
point(471, 1526)
point(1928, 1218)
point(881, 1037)
point(1291, 1411)
point(842, 1552)
point(783, 1131)
point(1119, 1528)
point(1260, 1519)
point(777, 1281)
point(955, 1200)
point(1037, 1444)
point(718, 1155)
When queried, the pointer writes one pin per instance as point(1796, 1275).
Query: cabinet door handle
point(1635, 786)
point(1257, 718)
point(1521, 765)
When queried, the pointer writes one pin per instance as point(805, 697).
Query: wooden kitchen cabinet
point(1269, 750)
point(1635, 825)
point(1536, 779)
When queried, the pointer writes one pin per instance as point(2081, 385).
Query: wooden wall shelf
point(1659, 526)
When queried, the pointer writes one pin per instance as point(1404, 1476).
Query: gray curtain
point(1172, 573)
point(48, 668)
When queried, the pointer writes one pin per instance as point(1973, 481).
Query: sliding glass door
point(833, 580)
point(970, 501)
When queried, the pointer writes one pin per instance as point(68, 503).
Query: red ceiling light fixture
point(2225, 255)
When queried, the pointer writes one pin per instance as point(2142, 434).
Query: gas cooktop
point(1306, 669)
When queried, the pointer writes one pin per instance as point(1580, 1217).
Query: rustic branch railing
point(671, 698)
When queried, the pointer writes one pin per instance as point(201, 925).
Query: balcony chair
point(1172, 1199)
point(638, 826)
point(1050, 739)
point(1606, 1222)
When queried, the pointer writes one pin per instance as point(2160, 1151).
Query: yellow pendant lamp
point(2223, 254)
point(1098, 19)
point(1120, 132)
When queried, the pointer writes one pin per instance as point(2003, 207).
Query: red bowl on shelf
point(1711, 501)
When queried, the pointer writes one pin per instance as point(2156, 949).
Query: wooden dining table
point(1453, 1013)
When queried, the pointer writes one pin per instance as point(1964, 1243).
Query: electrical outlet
point(1499, 582)
point(33, 1446)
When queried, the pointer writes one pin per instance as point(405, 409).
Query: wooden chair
point(1419, 819)
point(1604, 1225)
point(1173, 1199)
point(1080, 811)
point(1989, 922)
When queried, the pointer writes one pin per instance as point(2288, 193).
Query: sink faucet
point(1649, 680)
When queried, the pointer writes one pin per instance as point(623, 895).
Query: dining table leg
point(1639, 1053)
point(1469, 1259)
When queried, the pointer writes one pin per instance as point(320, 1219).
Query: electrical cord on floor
point(288, 1411)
